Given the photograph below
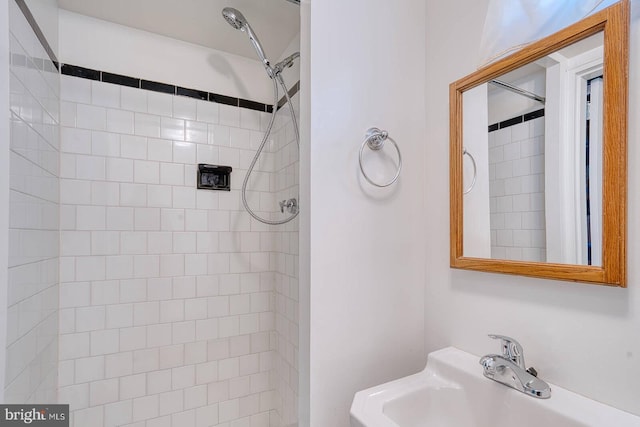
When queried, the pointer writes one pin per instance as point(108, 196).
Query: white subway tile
point(228, 326)
point(119, 218)
point(159, 381)
point(106, 292)
point(134, 147)
point(105, 193)
point(104, 342)
point(118, 414)
point(133, 386)
point(207, 154)
point(184, 108)
point(195, 397)
point(158, 196)
point(172, 219)
point(184, 197)
point(229, 115)
point(146, 172)
point(159, 335)
point(145, 360)
point(219, 135)
point(133, 243)
point(171, 402)
point(91, 117)
point(75, 89)
point(133, 99)
point(172, 311)
point(147, 219)
point(90, 318)
point(134, 290)
point(75, 140)
point(119, 121)
point(218, 392)
point(183, 332)
point(102, 392)
point(160, 243)
point(195, 353)
point(90, 268)
point(172, 356)
point(75, 243)
point(159, 103)
point(240, 138)
point(183, 377)
point(196, 132)
point(133, 338)
point(146, 265)
point(172, 128)
point(74, 294)
point(207, 111)
point(172, 265)
point(186, 418)
point(184, 152)
point(105, 94)
point(184, 242)
point(75, 192)
point(133, 194)
point(145, 408)
point(90, 168)
point(119, 170)
point(171, 174)
point(67, 114)
point(160, 150)
point(147, 125)
point(89, 369)
point(249, 119)
point(159, 289)
point(196, 264)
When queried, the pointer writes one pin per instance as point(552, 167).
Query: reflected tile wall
point(516, 191)
point(32, 344)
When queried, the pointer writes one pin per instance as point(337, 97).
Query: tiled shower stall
point(158, 304)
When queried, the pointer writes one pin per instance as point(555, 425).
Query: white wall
point(581, 337)
point(101, 45)
point(367, 245)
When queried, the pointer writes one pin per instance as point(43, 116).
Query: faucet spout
point(505, 371)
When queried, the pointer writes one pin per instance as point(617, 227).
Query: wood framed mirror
point(538, 157)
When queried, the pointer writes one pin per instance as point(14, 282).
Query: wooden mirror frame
point(614, 22)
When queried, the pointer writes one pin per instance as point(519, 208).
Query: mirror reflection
point(532, 168)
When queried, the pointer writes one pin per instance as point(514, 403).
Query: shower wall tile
point(516, 190)
point(32, 288)
point(168, 292)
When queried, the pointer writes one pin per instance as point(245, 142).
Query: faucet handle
point(511, 349)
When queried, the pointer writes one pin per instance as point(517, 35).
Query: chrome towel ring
point(375, 139)
point(475, 171)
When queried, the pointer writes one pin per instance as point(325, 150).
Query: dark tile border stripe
point(103, 76)
point(517, 120)
point(38, 32)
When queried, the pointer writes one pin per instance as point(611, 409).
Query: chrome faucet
point(509, 369)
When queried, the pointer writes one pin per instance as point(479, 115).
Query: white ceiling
point(276, 22)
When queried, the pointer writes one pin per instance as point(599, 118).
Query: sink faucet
point(510, 370)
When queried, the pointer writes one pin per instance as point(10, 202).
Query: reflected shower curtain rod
point(519, 91)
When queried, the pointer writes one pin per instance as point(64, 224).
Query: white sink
point(452, 392)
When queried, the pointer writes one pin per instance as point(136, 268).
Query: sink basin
point(452, 392)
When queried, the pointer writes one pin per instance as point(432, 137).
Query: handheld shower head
point(237, 20)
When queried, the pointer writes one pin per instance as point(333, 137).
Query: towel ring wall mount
point(375, 139)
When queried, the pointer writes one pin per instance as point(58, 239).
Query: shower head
point(237, 20)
